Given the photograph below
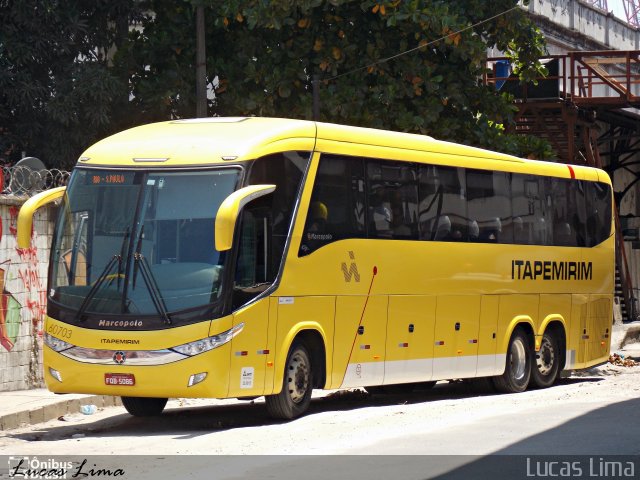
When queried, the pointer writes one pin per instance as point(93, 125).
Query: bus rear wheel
point(546, 361)
point(144, 407)
point(297, 385)
point(517, 370)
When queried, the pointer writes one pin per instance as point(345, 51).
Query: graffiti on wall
point(9, 313)
point(30, 282)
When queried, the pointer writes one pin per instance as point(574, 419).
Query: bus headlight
point(55, 343)
point(204, 345)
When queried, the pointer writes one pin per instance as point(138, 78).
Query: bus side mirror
point(230, 209)
point(28, 210)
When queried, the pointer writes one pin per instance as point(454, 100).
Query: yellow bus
point(241, 257)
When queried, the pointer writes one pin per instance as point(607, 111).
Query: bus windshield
point(139, 243)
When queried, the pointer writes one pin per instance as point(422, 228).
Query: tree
point(74, 71)
point(58, 92)
point(264, 55)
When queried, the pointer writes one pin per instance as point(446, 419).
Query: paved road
point(456, 428)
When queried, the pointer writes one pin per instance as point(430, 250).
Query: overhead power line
point(406, 52)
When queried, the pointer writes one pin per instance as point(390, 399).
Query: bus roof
point(223, 140)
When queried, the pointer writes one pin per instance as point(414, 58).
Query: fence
point(25, 181)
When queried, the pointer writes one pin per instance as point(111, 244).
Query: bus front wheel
point(144, 407)
point(546, 362)
point(517, 370)
point(297, 385)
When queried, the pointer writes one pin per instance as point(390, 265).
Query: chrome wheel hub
point(545, 357)
point(298, 377)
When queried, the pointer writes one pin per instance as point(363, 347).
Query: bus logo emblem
point(352, 271)
point(119, 357)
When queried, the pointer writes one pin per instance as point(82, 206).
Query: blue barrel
point(502, 71)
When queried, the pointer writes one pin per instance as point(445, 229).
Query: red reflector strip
point(571, 172)
point(365, 347)
point(242, 354)
point(440, 342)
point(473, 341)
point(403, 345)
point(263, 352)
point(585, 337)
point(606, 335)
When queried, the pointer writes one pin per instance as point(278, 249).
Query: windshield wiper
point(152, 286)
point(98, 283)
point(137, 251)
point(122, 254)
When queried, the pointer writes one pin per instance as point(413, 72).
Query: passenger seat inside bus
point(563, 235)
point(474, 231)
point(491, 232)
point(443, 230)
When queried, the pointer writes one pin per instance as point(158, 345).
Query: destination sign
point(111, 178)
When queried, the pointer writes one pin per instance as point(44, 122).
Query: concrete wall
point(23, 283)
point(575, 25)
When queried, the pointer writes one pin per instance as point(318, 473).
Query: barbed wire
point(25, 181)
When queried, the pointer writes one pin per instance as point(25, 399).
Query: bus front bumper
point(201, 376)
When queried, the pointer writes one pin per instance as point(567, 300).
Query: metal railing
point(25, 181)
point(607, 78)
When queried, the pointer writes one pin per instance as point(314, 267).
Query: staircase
point(623, 285)
point(619, 294)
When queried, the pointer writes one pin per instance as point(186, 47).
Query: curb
point(54, 410)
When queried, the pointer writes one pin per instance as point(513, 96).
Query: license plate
point(120, 379)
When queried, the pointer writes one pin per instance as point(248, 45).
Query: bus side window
point(336, 209)
point(442, 206)
point(598, 197)
point(580, 214)
point(489, 203)
point(568, 212)
point(393, 200)
point(430, 196)
point(528, 206)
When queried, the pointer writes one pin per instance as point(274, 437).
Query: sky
point(617, 7)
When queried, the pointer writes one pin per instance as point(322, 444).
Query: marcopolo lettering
point(550, 270)
point(120, 323)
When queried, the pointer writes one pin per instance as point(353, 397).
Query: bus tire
point(297, 385)
point(546, 361)
point(517, 372)
point(144, 407)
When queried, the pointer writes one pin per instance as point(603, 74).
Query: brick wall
point(23, 283)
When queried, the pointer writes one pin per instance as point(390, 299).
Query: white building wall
point(585, 24)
